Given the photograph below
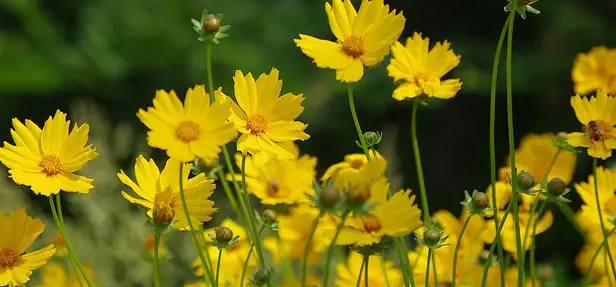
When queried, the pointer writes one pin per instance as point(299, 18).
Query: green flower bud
point(260, 277)
point(557, 186)
point(480, 200)
point(483, 257)
point(211, 24)
point(431, 236)
point(525, 180)
point(270, 215)
point(224, 235)
point(329, 196)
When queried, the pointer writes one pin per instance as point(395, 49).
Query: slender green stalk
point(603, 231)
point(330, 250)
point(367, 258)
point(252, 245)
point(401, 259)
point(384, 268)
point(532, 244)
point(361, 269)
point(428, 268)
point(434, 268)
point(533, 208)
point(592, 262)
point(356, 121)
point(455, 253)
point(69, 249)
point(315, 223)
point(218, 267)
point(193, 232)
point(607, 272)
point(486, 267)
point(420, 176)
point(251, 218)
point(158, 282)
point(404, 251)
point(208, 66)
point(230, 196)
point(205, 244)
point(570, 216)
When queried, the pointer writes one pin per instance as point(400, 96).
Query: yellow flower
point(54, 275)
point(601, 267)
point(369, 183)
point(587, 216)
point(19, 231)
point(363, 38)
point(294, 230)
point(196, 129)
point(274, 180)
point(46, 159)
point(397, 216)
point(595, 71)
point(598, 117)
point(353, 163)
point(508, 235)
point(232, 261)
point(347, 273)
point(264, 119)
point(422, 70)
point(157, 189)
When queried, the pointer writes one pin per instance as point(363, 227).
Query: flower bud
point(372, 138)
point(557, 186)
point(483, 257)
point(261, 276)
point(163, 213)
point(270, 215)
point(525, 180)
point(562, 135)
point(480, 200)
point(224, 235)
point(211, 24)
point(329, 196)
point(431, 236)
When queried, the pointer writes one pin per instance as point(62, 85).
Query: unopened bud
point(480, 200)
point(329, 196)
point(372, 138)
point(483, 257)
point(562, 135)
point(261, 276)
point(270, 215)
point(525, 180)
point(557, 186)
point(431, 236)
point(224, 235)
point(163, 214)
point(211, 24)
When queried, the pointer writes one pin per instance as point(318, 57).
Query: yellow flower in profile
point(46, 159)
point(422, 69)
point(363, 38)
point(161, 190)
point(396, 216)
point(274, 180)
point(54, 275)
point(19, 231)
point(347, 273)
point(353, 163)
point(264, 119)
point(587, 215)
point(598, 115)
point(595, 71)
point(197, 128)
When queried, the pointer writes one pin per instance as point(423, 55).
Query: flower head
point(422, 69)
point(595, 71)
point(46, 159)
point(363, 38)
point(264, 119)
point(161, 190)
point(587, 215)
point(19, 231)
point(598, 115)
point(353, 163)
point(347, 273)
point(197, 128)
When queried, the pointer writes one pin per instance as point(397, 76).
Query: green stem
point(570, 216)
point(367, 258)
point(252, 245)
point(251, 218)
point(599, 210)
point(205, 244)
point(532, 244)
point(486, 267)
point(455, 252)
point(208, 66)
point(356, 121)
point(609, 279)
point(428, 268)
point(420, 176)
point(193, 233)
point(361, 269)
point(434, 268)
point(218, 267)
point(384, 268)
point(404, 251)
point(594, 257)
point(330, 250)
point(530, 222)
point(69, 249)
point(157, 276)
point(401, 260)
point(230, 196)
point(315, 223)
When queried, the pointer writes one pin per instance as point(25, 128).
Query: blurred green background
point(102, 60)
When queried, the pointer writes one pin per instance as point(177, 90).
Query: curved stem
point(594, 257)
point(315, 223)
point(218, 267)
point(486, 267)
point(330, 250)
point(455, 253)
point(356, 121)
point(428, 268)
point(367, 258)
point(420, 176)
point(157, 276)
point(252, 245)
point(599, 211)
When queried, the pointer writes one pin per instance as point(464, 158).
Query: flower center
point(8, 257)
point(272, 188)
point(51, 165)
point(371, 223)
point(420, 77)
point(188, 131)
point(357, 163)
point(598, 130)
point(353, 46)
point(256, 124)
point(164, 204)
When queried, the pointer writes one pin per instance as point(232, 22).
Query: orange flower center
point(420, 77)
point(188, 131)
point(357, 163)
point(598, 130)
point(51, 165)
point(371, 223)
point(256, 124)
point(353, 46)
point(272, 188)
point(8, 257)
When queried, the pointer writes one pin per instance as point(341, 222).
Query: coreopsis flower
point(197, 128)
point(264, 119)
point(587, 217)
point(363, 38)
point(347, 273)
point(19, 231)
point(232, 261)
point(368, 184)
point(396, 216)
point(598, 115)
point(45, 160)
point(595, 71)
point(159, 192)
point(55, 275)
point(274, 180)
point(601, 269)
point(353, 163)
point(421, 69)
point(294, 230)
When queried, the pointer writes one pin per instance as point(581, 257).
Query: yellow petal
point(286, 108)
point(245, 90)
point(578, 139)
point(268, 89)
point(286, 131)
point(325, 54)
point(351, 73)
point(407, 91)
point(341, 17)
point(196, 102)
point(582, 109)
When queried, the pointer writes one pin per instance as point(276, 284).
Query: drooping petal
point(351, 73)
point(325, 54)
point(407, 91)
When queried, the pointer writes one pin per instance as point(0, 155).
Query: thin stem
point(315, 223)
point(532, 243)
point(434, 268)
point(594, 257)
point(420, 176)
point(530, 220)
point(157, 276)
point(251, 216)
point(205, 244)
point(428, 268)
point(208, 66)
point(603, 231)
point(252, 245)
point(401, 260)
point(356, 121)
point(384, 268)
point(71, 255)
point(570, 216)
point(367, 258)
point(486, 267)
point(218, 267)
point(609, 279)
point(230, 196)
point(361, 269)
point(455, 253)
point(330, 250)
point(404, 251)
